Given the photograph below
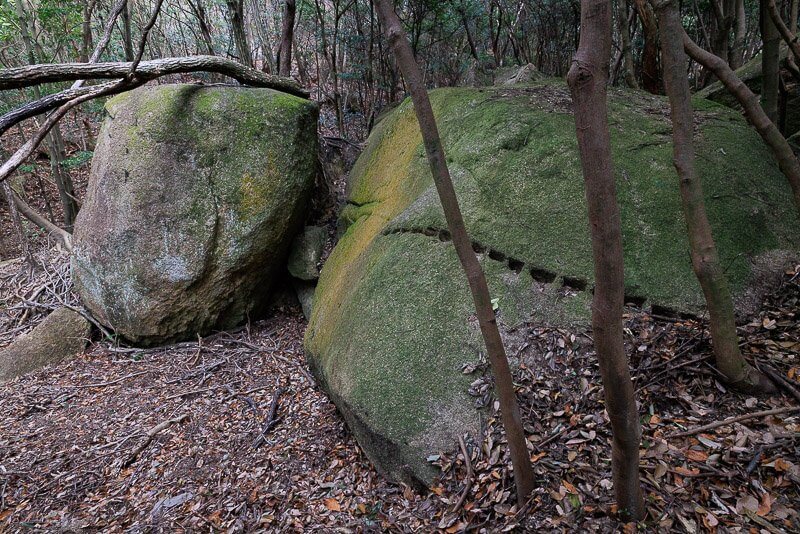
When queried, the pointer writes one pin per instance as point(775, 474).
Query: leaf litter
point(230, 433)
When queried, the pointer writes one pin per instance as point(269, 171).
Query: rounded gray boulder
point(195, 194)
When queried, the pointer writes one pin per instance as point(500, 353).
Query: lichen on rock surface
point(393, 323)
point(195, 194)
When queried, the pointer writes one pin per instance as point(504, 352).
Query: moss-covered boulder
point(194, 197)
point(393, 327)
point(62, 335)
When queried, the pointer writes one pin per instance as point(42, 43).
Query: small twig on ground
point(272, 420)
point(781, 382)
point(550, 438)
point(468, 478)
point(737, 419)
point(110, 382)
point(763, 522)
point(152, 434)
point(201, 371)
point(194, 392)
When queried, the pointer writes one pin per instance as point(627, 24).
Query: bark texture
point(523, 471)
point(587, 81)
point(705, 259)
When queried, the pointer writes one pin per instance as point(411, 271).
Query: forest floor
point(230, 433)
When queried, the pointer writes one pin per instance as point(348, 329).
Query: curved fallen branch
point(30, 145)
point(61, 235)
point(787, 161)
point(44, 104)
point(31, 75)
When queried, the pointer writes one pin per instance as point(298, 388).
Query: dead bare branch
point(31, 75)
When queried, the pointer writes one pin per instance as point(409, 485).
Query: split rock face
point(393, 329)
point(194, 196)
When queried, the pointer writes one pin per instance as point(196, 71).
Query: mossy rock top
point(194, 196)
point(393, 323)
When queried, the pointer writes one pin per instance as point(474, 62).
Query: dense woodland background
point(337, 51)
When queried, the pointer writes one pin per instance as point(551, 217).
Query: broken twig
point(152, 434)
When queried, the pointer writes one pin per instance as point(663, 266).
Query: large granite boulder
point(195, 194)
point(62, 335)
point(393, 323)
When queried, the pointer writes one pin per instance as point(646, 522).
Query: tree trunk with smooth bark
point(587, 81)
point(705, 259)
point(396, 35)
point(736, 58)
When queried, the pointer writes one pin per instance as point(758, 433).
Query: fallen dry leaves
point(68, 433)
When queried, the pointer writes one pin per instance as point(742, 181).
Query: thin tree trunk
point(17, 222)
point(587, 81)
point(66, 189)
point(770, 59)
point(769, 132)
point(205, 31)
point(625, 39)
point(705, 260)
point(287, 37)
point(473, 49)
point(86, 30)
point(739, 37)
point(523, 472)
point(651, 75)
point(127, 37)
point(236, 16)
